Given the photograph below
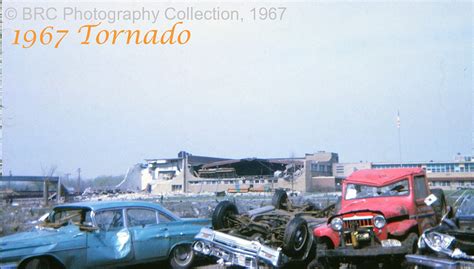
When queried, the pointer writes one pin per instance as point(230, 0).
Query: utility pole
point(45, 191)
point(293, 173)
point(58, 192)
point(79, 181)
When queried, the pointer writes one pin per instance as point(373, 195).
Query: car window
point(420, 188)
point(109, 219)
point(141, 217)
point(62, 216)
point(164, 218)
point(359, 191)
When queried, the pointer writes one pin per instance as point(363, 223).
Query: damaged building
point(195, 174)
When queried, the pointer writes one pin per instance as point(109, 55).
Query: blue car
point(103, 235)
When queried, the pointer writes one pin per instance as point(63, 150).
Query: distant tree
point(106, 181)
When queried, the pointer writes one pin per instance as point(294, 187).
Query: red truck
point(382, 214)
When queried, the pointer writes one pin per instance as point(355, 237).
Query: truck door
point(424, 214)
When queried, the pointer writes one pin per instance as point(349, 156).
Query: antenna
point(399, 137)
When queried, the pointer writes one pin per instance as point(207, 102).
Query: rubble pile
point(19, 217)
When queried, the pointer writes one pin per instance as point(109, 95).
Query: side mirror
point(88, 227)
point(44, 218)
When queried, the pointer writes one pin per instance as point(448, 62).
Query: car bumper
point(349, 252)
point(231, 250)
point(435, 262)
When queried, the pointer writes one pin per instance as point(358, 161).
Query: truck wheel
point(280, 200)
point(439, 206)
point(323, 262)
point(182, 257)
point(411, 242)
point(296, 237)
point(220, 216)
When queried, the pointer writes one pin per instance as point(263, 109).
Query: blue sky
point(330, 76)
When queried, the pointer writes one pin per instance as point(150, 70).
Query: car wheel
point(323, 262)
point(439, 206)
point(296, 237)
point(182, 257)
point(38, 263)
point(280, 200)
point(220, 216)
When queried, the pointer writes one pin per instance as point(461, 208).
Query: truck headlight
point(437, 241)
point(336, 224)
point(379, 221)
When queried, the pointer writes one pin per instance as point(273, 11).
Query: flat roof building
point(455, 174)
point(195, 174)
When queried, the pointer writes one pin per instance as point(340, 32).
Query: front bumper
point(372, 251)
point(435, 262)
point(231, 250)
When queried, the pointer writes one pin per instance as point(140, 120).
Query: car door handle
point(77, 235)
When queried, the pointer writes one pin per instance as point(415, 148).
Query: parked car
point(272, 235)
point(383, 211)
point(101, 235)
point(450, 244)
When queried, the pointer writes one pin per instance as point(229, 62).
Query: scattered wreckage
point(450, 244)
point(101, 235)
point(270, 236)
point(382, 213)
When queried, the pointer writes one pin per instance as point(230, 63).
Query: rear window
point(421, 191)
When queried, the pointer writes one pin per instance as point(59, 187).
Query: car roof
point(381, 177)
point(101, 205)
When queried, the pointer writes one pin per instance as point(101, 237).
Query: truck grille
point(356, 223)
point(351, 224)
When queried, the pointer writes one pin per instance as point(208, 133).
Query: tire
point(411, 240)
point(337, 206)
point(182, 257)
point(296, 237)
point(323, 262)
point(439, 206)
point(39, 263)
point(223, 210)
point(280, 200)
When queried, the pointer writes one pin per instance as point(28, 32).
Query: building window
point(176, 187)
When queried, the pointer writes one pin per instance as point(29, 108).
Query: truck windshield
point(358, 191)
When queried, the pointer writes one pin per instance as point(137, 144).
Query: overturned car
point(271, 236)
point(450, 244)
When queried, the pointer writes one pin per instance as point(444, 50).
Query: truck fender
point(400, 228)
point(326, 231)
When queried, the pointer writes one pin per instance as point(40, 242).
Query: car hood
point(385, 206)
point(464, 240)
point(38, 237)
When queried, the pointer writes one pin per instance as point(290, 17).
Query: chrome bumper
point(435, 262)
point(231, 250)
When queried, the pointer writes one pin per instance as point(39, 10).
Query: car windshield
point(69, 216)
point(358, 191)
point(466, 209)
